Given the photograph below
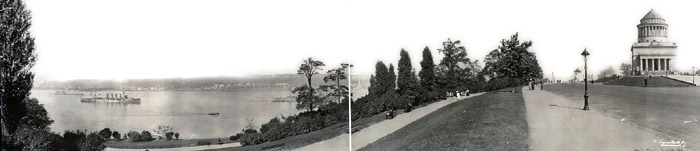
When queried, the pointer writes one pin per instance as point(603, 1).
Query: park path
point(556, 123)
point(206, 147)
point(374, 132)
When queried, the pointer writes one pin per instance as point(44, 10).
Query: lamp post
point(347, 67)
point(585, 78)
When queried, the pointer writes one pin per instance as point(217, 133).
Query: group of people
point(458, 93)
point(533, 84)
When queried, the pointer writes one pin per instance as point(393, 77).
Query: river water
point(185, 111)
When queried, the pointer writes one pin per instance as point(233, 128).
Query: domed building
point(653, 53)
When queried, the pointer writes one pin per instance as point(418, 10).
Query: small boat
point(213, 114)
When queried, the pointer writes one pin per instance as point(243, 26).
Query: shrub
point(70, 139)
point(235, 137)
point(146, 136)
point(169, 135)
point(251, 139)
point(134, 136)
point(105, 133)
point(116, 135)
point(177, 136)
point(92, 142)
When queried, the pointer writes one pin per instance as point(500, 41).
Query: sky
point(131, 39)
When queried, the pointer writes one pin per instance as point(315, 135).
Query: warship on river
point(112, 98)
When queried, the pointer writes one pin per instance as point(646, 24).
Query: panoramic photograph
point(162, 75)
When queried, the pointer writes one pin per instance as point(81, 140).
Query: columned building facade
point(653, 53)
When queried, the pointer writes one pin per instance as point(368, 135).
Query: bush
point(92, 142)
point(106, 133)
point(134, 136)
point(116, 135)
point(169, 135)
point(70, 139)
point(235, 137)
point(251, 139)
point(146, 136)
point(177, 136)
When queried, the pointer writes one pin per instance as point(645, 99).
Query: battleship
point(112, 98)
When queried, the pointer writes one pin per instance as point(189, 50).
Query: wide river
point(185, 111)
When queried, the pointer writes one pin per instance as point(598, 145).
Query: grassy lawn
point(492, 121)
point(161, 143)
point(670, 111)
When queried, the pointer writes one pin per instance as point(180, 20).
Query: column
point(653, 64)
point(656, 64)
point(662, 64)
point(640, 64)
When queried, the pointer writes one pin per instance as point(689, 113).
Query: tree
point(576, 72)
point(116, 135)
point(93, 141)
point(427, 72)
point(307, 98)
point(18, 57)
point(338, 90)
point(607, 72)
point(513, 60)
point(626, 69)
point(454, 70)
point(106, 133)
point(407, 81)
point(379, 82)
point(177, 136)
point(163, 131)
point(391, 78)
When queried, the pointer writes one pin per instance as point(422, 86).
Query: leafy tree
point(146, 136)
point(116, 135)
point(177, 136)
point(93, 141)
point(455, 70)
point(407, 81)
point(391, 78)
point(576, 72)
point(427, 72)
point(379, 82)
point(19, 113)
point(513, 60)
point(134, 136)
point(607, 72)
point(336, 75)
point(307, 98)
point(106, 133)
point(626, 69)
point(163, 130)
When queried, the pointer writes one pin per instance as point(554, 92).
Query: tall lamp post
point(347, 67)
point(585, 78)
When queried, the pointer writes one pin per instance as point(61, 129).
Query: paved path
point(374, 132)
point(557, 123)
point(181, 148)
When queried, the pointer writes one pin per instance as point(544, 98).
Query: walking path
point(374, 132)
point(557, 123)
point(181, 148)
